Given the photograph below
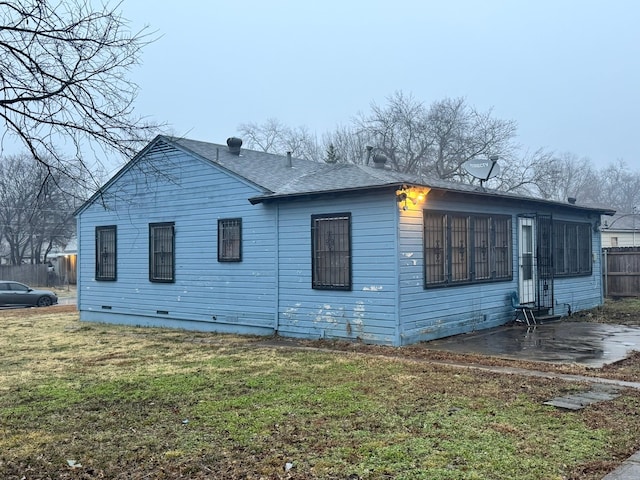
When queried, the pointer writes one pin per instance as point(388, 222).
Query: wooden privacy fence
point(621, 271)
point(36, 275)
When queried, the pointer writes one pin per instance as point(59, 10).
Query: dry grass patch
point(81, 400)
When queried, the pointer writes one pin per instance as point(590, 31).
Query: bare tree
point(619, 187)
point(350, 146)
point(274, 137)
point(399, 130)
point(37, 211)
point(436, 140)
point(524, 171)
point(63, 75)
point(562, 176)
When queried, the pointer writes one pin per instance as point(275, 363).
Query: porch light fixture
point(415, 195)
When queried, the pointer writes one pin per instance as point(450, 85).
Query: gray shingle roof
point(277, 179)
point(622, 222)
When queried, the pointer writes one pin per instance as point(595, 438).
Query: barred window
point(161, 252)
point(501, 258)
point(435, 248)
point(331, 251)
point(106, 259)
point(572, 248)
point(461, 248)
point(481, 241)
point(459, 253)
point(230, 240)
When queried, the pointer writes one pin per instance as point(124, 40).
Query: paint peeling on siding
point(408, 254)
point(359, 313)
point(373, 288)
point(326, 314)
point(290, 313)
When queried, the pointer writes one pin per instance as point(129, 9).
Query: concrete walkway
point(629, 470)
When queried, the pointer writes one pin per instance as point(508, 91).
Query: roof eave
point(279, 196)
point(262, 198)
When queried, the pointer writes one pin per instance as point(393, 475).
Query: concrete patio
point(591, 344)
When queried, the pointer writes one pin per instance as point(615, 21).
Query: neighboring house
point(210, 237)
point(622, 230)
point(66, 261)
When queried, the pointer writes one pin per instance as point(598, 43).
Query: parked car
point(19, 294)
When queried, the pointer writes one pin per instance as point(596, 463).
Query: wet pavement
point(591, 344)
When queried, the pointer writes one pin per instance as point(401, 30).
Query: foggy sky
point(568, 72)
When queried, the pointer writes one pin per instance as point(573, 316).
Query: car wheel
point(44, 302)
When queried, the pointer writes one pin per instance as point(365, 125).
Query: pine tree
point(332, 155)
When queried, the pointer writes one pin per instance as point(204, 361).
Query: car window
point(18, 287)
point(4, 286)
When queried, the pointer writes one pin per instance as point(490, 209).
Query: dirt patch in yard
point(29, 312)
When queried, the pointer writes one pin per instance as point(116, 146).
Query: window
point(331, 251)
point(463, 248)
point(572, 248)
point(481, 241)
point(161, 252)
point(106, 253)
point(501, 248)
point(230, 240)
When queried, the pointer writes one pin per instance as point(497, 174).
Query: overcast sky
point(567, 71)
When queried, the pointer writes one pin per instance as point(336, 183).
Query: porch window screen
point(459, 252)
point(572, 248)
point(585, 260)
point(331, 251)
point(501, 259)
point(106, 259)
point(161, 252)
point(481, 242)
point(462, 249)
point(230, 240)
point(435, 248)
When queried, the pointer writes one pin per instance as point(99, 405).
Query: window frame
point(167, 276)
point(329, 278)
point(101, 256)
point(225, 226)
point(446, 264)
point(572, 249)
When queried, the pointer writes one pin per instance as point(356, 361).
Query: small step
point(577, 401)
point(547, 318)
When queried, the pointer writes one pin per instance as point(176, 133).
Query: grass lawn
point(84, 401)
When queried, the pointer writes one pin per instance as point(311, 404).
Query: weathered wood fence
point(621, 271)
point(35, 275)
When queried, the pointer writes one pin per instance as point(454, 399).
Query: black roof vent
point(572, 200)
point(379, 160)
point(234, 145)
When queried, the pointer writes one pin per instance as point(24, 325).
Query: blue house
point(213, 237)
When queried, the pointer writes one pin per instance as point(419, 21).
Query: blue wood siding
point(581, 293)
point(432, 313)
point(270, 290)
point(369, 311)
point(170, 186)
point(426, 314)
